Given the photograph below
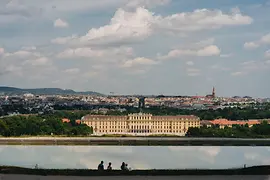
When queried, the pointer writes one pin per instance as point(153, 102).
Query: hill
point(43, 91)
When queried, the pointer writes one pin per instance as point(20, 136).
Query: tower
point(213, 92)
point(141, 103)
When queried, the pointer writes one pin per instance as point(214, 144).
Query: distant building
point(213, 95)
point(222, 123)
point(206, 123)
point(141, 124)
point(65, 120)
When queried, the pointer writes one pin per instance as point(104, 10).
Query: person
point(123, 166)
point(109, 168)
point(126, 167)
point(101, 166)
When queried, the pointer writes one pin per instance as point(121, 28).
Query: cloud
point(63, 40)
point(128, 27)
point(255, 44)
point(42, 61)
point(211, 50)
point(238, 73)
point(251, 155)
point(89, 74)
point(124, 40)
point(207, 154)
point(251, 67)
point(250, 45)
point(72, 71)
point(190, 63)
point(265, 39)
point(24, 64)
point(29, 48)
point(125, 27)
point(13, 11)
point(226, 55)
point(203, 43)
point(210, 151)
point(15, 70)
point(219, 67)
point(193, 72)
point(195, 44)
point(2, 51)
point(22, 54)
point(147, 3)
point(109, 53)
point(202, 19)
point(139, 61)
point(256, 156)
point(266, 54)
point(60, 23)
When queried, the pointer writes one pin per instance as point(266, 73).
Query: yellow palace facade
point(141, 124)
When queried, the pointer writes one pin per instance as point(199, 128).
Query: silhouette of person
point(109, 166)
point(101, 166)
point(123, 166)
point(126, 167)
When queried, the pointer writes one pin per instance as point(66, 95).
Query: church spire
point(213, 92)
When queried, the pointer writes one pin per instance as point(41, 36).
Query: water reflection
point(137, 157)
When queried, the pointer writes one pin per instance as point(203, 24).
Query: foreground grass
point(256, 170)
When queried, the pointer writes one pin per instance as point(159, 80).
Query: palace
point(141, 124)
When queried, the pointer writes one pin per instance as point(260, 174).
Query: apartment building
point(141, 124)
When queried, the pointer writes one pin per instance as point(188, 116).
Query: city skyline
point(146, 47)
point(207, 94)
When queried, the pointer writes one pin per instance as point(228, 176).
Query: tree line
point(209, 114)
point(260, 112)
point(237, 131)
point(35, 125)
point(51, 122)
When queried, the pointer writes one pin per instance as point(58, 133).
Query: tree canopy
point(256, 131)
point(34, 125)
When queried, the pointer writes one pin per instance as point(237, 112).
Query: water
point(26, 177)
point(137, 157)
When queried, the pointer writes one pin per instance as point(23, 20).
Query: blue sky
point(173, 47)
point(136, 157)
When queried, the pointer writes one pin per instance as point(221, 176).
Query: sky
point(137, 157)
point(149, 47)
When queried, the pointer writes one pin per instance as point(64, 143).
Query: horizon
point(137, 47)
point(109, 94)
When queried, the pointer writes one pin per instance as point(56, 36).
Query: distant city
point(133, 114)
point(44, 99)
